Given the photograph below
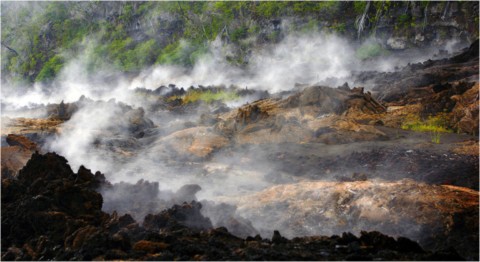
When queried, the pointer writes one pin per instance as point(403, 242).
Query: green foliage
point(370, 50)
point(359, 6)
point(238, 34)
point(50, 69)
point(139, 56)
point(270, 9)
point(424, 3)
point(311, 26)
point(403, 20)
point(435, 125)
point(41, 31)
point(339, 27)
point(207, 96)
point(309, 7)
point(181, 53)
point(435, 137)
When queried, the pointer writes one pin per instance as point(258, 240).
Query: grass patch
point(207, 96)
point(435, 125)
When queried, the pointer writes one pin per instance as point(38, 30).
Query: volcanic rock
point(422, 212)
point(437, 87)
point(51, 213)
point(184, 215)
point(21, 141)
point(15, 156)
point(47, 198)
point(186, 193)
point(304, 117)
point(138, 199)
point(190, 143)
point(465, 112)
point(62, 111)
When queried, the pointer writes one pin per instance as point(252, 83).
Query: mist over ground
point(298, 59)
point(295, 139)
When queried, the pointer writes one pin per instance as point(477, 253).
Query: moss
point(50, 69)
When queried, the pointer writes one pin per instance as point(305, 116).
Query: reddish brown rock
point(21, 141)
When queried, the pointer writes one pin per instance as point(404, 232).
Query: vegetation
point(207, 96)
point(370, 50)
point(435, 125)
point(50, 69)
point(38, 37)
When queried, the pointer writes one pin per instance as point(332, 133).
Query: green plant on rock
point(339, 27)
point(207, 96)
point(182, 53)
point(359, 6)
point(435, 125)
point(435, 137)
point(239, 33)
point(370, 50)
point(403, 20)
point(50, 69)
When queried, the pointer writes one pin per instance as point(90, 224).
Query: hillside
point(38, 38)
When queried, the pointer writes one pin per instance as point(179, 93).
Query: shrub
point(50, 69)
point(238, 34)
point(182, 53)
point(369, 50)
point(339, 27)
point(359, 6)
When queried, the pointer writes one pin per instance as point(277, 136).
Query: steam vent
point(239, 130)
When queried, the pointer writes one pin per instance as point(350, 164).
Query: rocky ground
point(58, 216)
point(214, 181)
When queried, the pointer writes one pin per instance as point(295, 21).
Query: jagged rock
point(299, 118)
point(187, 215)
point(277, 238)
point(45, 198)
point(224, 215)
point(62, 111)
point(186, 193)
point(414, 82)
point(138, 199)
point(15, 156)
point(13, 159)
point(62, 220)
point(465, 111)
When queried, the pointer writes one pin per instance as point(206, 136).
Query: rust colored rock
point(465, 113)
point(82, 235)
point(21, 141)
point(13, 159)
point(149, 246)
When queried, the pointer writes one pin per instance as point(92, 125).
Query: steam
point(307, 59)
point(297, 59)
point(99, 135)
